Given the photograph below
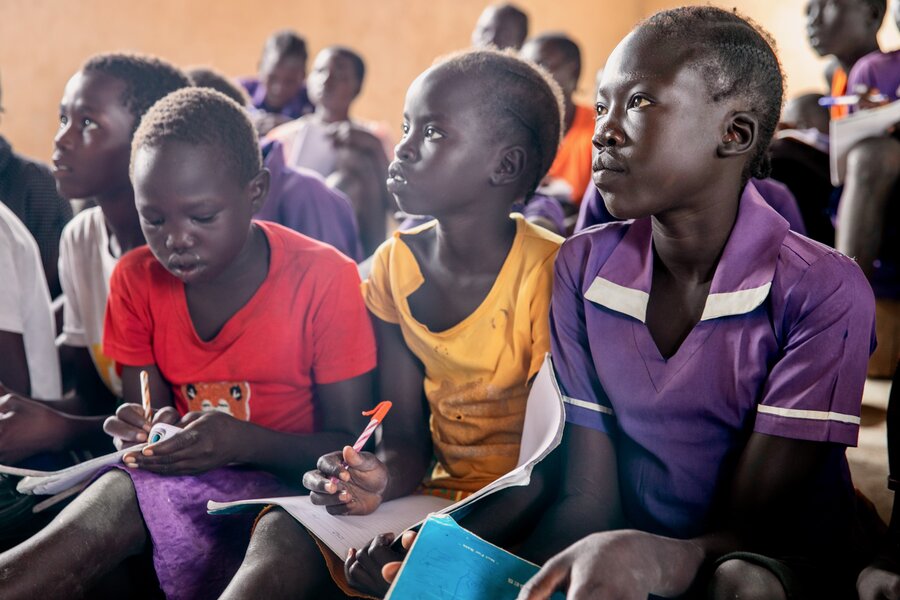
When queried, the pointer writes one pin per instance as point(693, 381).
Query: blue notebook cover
point(448, 562)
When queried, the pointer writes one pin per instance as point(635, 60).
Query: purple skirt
point(196, 554)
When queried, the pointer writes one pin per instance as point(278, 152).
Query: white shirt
point(86, 263)
point(25, 305)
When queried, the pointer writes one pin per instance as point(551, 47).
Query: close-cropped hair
point(146, 79)
point(203, 117)
point(206, 77)
point(516, 16)
point(284, 43)
point(736, 58)
point(520, 100)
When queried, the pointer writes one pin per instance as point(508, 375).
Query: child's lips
point(396, 179)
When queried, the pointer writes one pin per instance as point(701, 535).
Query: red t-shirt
point(306, 325)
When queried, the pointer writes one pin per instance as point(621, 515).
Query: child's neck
point(331, 115)
point(473, 242)
point(122, 220)
point(848, 60)
point(689, 243)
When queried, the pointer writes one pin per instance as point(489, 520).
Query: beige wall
point(42, 42)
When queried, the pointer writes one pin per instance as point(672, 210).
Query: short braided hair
point(146, 79)
point(524, 101)
point(736, 58)
point(203, 117)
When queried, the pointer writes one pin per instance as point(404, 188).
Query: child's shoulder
point(13, 232)
point(85, 227)
point(537, 241)
point(298, 249)
point(594, 244)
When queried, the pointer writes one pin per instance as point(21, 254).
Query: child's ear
point(258, 189)
point(741, 131)
point(511, 167)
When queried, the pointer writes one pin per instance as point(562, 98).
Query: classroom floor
point(868, 461)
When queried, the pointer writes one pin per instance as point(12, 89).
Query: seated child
point(868, 216)
point(459, 305)
point(847, 31)
point(99, 111)
point(501, 26)
point(714, 385)
point(256, 342)
point(278, 92)
point(352, 154)
point(560, 55)
point(28, 189)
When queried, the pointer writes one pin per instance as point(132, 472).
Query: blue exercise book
point(447, 562)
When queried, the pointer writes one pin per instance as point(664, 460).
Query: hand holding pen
point(350, 482)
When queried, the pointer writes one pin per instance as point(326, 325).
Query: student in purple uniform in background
point(300, 199)
point(712, 360)
point(775, 193)
point(278, 92)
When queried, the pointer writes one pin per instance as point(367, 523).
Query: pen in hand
point(145, 394)
point(378, 413)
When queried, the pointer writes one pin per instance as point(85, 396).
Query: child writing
point(256, 342)
point(711, 359)
point(459, 305)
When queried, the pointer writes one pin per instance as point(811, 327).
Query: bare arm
point(14, 375)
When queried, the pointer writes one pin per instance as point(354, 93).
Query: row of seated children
point(431, 298)
point(712, 360)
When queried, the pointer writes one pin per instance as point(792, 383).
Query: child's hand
point(624, 564)
point(372, 569)
point(26, 428)
point(877, 584)
point(359, 488)
point(129, 427)
point(209, 440)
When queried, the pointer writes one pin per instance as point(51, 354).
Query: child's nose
point(179, 241)
point(63, 137)
point(405, 150)
point(606, 136)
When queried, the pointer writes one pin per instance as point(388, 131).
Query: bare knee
point(278, 536)
point(740, 579)
point(876, 158)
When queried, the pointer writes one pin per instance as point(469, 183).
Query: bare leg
point(872, 169)
point(92, 535)
point(282, 561)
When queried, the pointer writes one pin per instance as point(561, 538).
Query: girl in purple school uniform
point(712, 360)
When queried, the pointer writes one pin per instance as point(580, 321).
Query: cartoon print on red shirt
point(230, 397)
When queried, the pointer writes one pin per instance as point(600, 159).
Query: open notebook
point(847, 132)
point(541, 433)
point(54, 482)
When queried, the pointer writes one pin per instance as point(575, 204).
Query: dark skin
point(499, 27)
point(283, 76)
point(648, 99)
point(459, 260)
point(90, 160)
point(191, 206)
point(333, 86)
point(846, 29)
point(566, 72)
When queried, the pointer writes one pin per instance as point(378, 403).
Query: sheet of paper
point(54, 482)
point(542, 432)
point(847, 132)
point(342, 533)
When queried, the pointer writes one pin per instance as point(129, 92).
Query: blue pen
point(849, 99)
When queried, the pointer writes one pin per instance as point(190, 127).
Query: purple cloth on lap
point(196, 554)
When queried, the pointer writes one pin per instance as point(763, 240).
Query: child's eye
point(433, 134)
point(404, 129)
point(88, 122)
point(640, 102)
point(63, 119)
point(601, 110)
point(204, 219)
point(152, 222)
